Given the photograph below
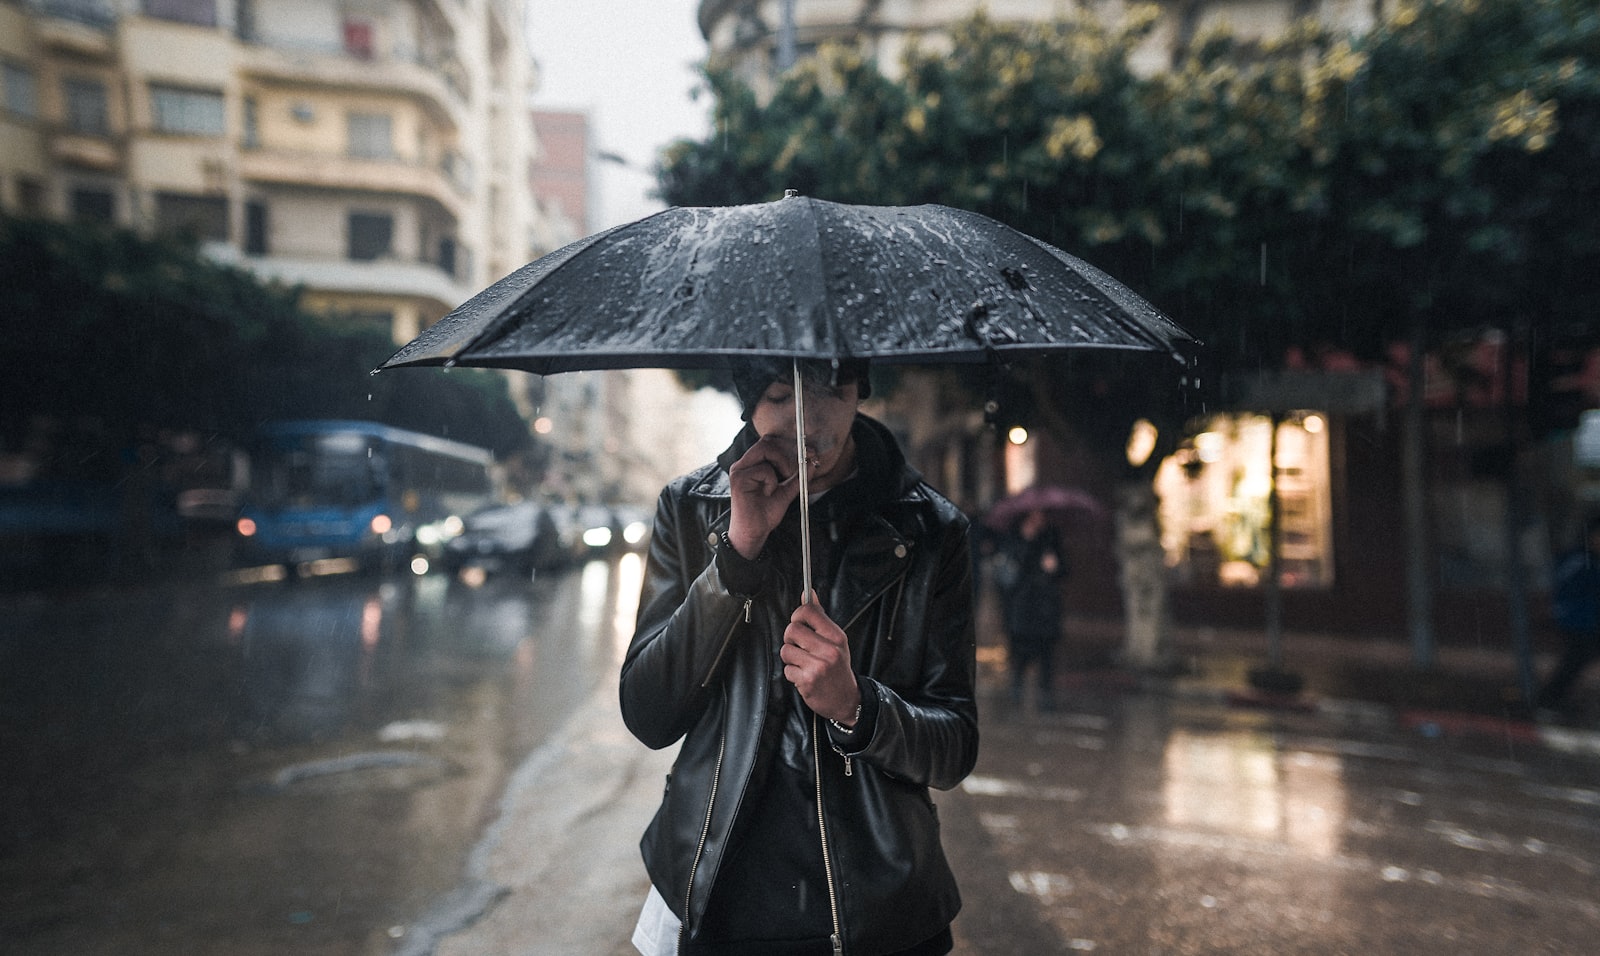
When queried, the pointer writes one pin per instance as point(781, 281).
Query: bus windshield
point(333, 469)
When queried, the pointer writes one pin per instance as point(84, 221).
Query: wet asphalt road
point(360, 767)
point(274, 768)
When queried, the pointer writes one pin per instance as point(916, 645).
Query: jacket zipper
point(716, 781)
point(849, 764)
point(728, 639)
point(705, 832)
point(822, 828)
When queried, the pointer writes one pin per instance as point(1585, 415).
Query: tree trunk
point(1147, 634)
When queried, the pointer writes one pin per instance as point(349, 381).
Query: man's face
point(829, 412)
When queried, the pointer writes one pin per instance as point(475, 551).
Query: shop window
point(92, 204)
point(198, 12)
point(1215, 503)
point(371, 135)
point(86, 106)
point(203, 217)
point(188, 112)
point(370, 235)
point(22, 90)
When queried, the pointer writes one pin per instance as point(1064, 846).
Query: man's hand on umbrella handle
point(763, 484)
point(816, 660)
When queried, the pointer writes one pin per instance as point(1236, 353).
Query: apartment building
point(756, 35)
point(374, 151)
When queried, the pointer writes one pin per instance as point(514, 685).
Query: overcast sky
point(628, 64)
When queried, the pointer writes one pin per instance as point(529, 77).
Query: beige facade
point(747, 32)
point(373, 151)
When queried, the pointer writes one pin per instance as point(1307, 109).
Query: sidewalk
point(1469, 691)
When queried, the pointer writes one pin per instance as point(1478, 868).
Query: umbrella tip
point(790, 193)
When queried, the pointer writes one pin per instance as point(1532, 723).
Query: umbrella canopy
point(1059, 504)
point(799, 278)
point(697, 287)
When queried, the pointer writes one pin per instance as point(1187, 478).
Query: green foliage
point(127, 335)
point(1319, 192)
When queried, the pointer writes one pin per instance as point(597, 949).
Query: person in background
point(796, 819)
point(1575, 598)
point(1030, 568)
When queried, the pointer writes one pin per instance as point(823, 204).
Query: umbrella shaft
point(805, 496)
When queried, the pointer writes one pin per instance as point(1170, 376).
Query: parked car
point(636, 522)
point(521, 538)
point(599, 533)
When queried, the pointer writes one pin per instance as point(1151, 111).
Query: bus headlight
point(597, 537)
point(635, 532)
point(381, 524)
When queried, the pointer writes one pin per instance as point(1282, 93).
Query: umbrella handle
point(805, 496)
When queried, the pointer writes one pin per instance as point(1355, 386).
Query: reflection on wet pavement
point(281, 767)
point(1146, 823)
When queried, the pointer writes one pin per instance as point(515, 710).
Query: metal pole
point(805, 496)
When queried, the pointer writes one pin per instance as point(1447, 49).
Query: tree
point(136, 334)
point(1433, 178)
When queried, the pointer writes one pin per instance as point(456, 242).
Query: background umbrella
point(1060, 505)
point(799, 278)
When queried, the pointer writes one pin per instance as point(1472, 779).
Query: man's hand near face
point(764, 484)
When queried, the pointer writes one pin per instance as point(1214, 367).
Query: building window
point(91, 204)
point(358, 38)
point(199, 12)
point(22, 90)
point(251, 137)
point(255, 228)
point(447, 254)
point(30, 196)
point(203, 217)
point(188, 112)
point(370, 235)
point(371, 135)
point(85, 102)
point(1215, 502)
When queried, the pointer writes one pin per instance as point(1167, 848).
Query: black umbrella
point(800, 278)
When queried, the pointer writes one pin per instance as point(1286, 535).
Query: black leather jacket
point(696, 670)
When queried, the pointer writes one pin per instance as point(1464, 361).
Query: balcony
point(86, 152)
point(77, 27)
point(382, 277)
point(348, 173)
point(438, 86)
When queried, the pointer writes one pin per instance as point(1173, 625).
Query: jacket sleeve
point(928, 735)
point(688, 618)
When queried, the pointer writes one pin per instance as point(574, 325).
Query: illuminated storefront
point(1216, 493)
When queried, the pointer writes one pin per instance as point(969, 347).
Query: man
point(796, 819)
point(1030, 591)
point(1575, 597)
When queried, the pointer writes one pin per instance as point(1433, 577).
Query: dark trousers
point(1028, 650)
point(1582, 649)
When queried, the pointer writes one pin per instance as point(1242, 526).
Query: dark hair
point(751, 377)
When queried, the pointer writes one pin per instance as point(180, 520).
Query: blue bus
point(337, 495)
